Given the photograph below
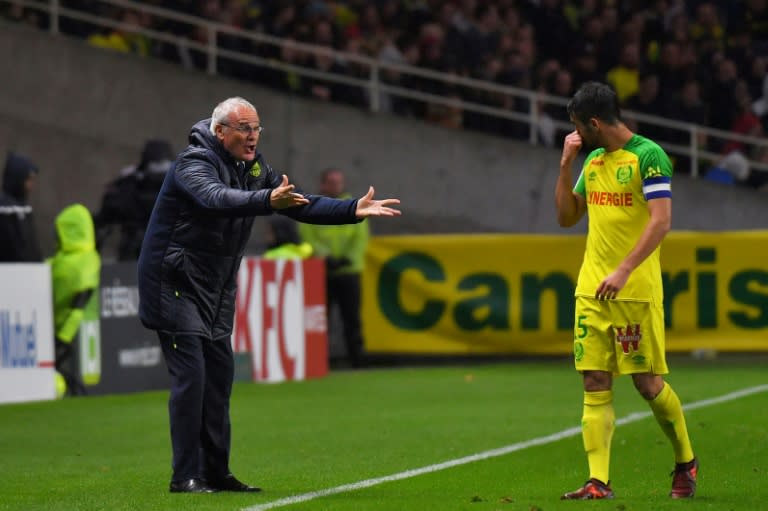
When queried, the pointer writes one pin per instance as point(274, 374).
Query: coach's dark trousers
point(201, 372)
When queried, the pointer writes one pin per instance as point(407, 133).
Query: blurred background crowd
point(698, 61)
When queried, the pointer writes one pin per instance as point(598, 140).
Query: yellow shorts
point(620, 337)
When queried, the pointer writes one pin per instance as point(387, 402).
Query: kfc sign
point(280, 318)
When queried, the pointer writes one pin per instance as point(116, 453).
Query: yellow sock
point(669, 414)
point(597, 426)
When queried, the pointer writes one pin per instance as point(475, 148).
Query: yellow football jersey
point(617, 187)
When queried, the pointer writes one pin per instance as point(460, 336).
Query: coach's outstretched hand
point(367, 206)
point(284, 196)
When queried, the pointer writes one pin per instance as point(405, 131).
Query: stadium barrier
point(116, 353)
point(280, 330)
point(513, 294)
point(26, 333)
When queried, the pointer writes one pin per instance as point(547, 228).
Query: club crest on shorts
point(627, 336)
point(578, 350)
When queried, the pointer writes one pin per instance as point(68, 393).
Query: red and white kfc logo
point(280, 318)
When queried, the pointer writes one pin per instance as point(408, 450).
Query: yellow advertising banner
point(483, 294)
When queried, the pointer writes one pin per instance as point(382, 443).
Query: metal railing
point(373, 82)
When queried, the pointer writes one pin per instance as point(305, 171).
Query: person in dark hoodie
point(18, 237)
point(128, 200)
point(188, 266)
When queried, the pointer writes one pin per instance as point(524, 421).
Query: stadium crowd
point(703, 62)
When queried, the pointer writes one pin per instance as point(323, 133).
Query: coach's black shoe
point(191, 486)
point(230, 483)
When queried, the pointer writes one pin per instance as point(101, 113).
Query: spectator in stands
point(707, 30)
point(554, 33)
point(75, 270)
point(343, 247)
point(611, 41)
point(354, 94)
point(447, 115)
point(123, 38)
point(592, 40)
point(755, 18)
point(18, 235)
point(745, 122)
point(283, 241)
point(670, 70)
point(625, 77)
point(321, 88)
point(731, 169)
point(482, 39)
point(456, 31)
point(559, 84)
point(287, 81)
point(647, 101)
point(584, 64)
point(129, 199)
point(405, 50)
point(187, 277)
point(735, 167)
point(687, 107)
point(759, 88)
point(720, 97)
point(14, 11)
point(741, 50)
point(678, 25)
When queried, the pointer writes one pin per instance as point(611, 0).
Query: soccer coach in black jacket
point(187, 277)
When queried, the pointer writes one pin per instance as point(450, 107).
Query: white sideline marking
point(493, 453)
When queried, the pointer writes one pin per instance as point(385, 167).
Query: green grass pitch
point(113, 453)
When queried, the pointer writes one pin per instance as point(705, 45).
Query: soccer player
point(624, 187)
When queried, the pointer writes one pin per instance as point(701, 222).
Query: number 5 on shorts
point(581, 327)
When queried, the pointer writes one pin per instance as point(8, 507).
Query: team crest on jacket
point(256, 169)
point(628, 336)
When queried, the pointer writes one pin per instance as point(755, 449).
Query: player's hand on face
point(367, 206)
point(571, 146)
point(611, 285)
point(284, 196)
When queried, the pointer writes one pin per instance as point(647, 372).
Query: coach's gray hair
point(226, 107)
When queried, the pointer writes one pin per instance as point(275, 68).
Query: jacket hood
point(74, 227)
point(201, 136)
point(17, 170)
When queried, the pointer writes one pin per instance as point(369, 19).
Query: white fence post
point(375, 100)
point(694, 131)
point(212, 48)
point(55, 17)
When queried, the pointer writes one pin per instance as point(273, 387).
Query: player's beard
point(590, 139)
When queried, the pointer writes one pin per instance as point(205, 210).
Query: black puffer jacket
point(18, 237)
point(197, 234)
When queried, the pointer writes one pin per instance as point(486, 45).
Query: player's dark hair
point(595, 99)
